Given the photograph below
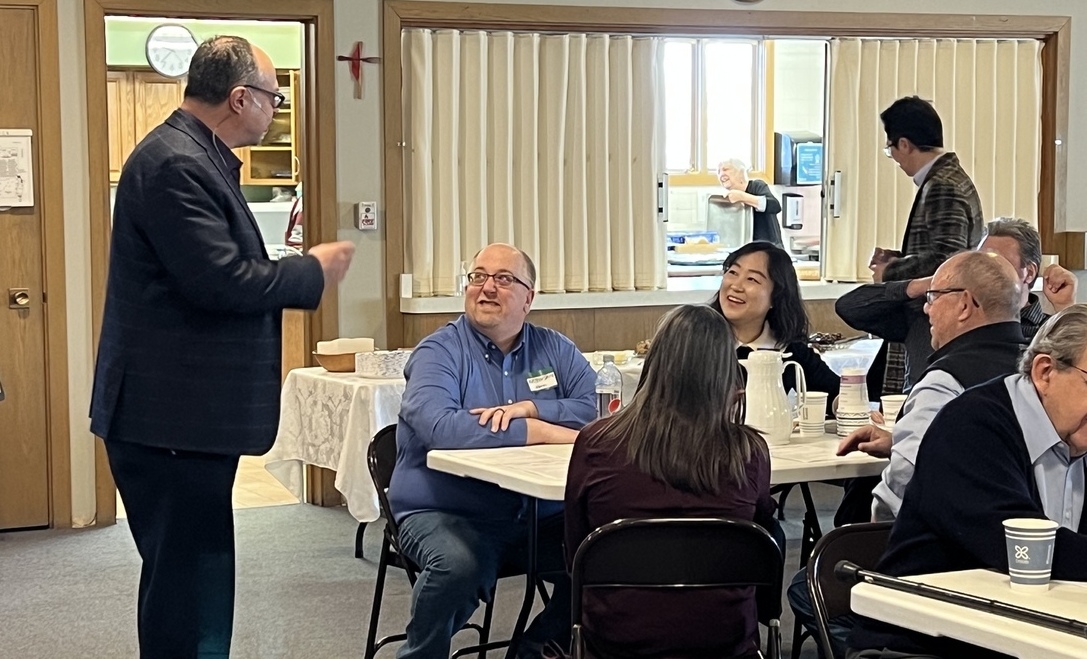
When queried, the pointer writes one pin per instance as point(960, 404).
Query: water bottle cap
point(609, 359)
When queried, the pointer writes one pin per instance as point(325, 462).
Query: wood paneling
point(399, 14)
point(120, 103)
point(35, 469)
point(609, 329)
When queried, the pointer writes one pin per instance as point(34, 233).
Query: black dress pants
point(180, 514)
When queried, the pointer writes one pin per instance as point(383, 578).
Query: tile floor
point(254, 487)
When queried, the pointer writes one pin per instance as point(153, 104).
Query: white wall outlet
point(366, 215)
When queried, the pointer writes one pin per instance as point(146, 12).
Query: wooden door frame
point(319, 150)
point(49, 157)
point(1054, 31)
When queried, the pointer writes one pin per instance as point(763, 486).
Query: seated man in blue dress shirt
point(487, 379)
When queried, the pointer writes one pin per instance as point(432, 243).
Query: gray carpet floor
point(300, 592)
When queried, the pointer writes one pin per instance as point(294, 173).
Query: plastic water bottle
point(609, 388)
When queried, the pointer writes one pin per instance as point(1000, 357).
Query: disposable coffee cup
point(812, 414)
point(892, 403)
point(1030, 545)
point(853, 396)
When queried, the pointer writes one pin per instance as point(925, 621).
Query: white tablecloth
point(327, 419)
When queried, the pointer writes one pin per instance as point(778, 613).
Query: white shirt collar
point(919, 177)
point(764, 341)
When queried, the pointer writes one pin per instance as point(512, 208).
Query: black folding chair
point(680, 554)
point(862, 544)
point(381, 458)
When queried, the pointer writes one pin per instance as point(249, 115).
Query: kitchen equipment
point(342, 363)
point(792, 210)
point(767, 406)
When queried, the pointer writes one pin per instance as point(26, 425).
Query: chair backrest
point(862, 544)
point(381, 458)
point(712, 552)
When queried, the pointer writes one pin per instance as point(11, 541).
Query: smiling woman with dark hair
point(760, 299)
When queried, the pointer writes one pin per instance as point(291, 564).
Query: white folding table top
point(540, 470)
point(1019, 639)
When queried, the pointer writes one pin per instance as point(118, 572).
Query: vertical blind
point(988, 94)
point(548, 142)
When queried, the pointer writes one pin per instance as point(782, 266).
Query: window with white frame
point(714, 96)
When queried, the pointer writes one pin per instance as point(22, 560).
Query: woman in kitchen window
point(760, 299)
point(754, 193)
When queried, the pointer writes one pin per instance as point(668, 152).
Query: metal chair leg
point(358, 539)
point(379, 591)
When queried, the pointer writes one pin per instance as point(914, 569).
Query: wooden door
point(24, 438)
point(120, 105)
point(156, 98)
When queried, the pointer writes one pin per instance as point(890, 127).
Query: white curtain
point(548, 142)
point(988, 94)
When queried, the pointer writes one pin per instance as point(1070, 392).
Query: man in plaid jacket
point(945, 218)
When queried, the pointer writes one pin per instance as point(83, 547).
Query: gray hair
point(1026, 236)
point(993, 283)
point(1063, 337)
point(734, 163)
point(219, 65)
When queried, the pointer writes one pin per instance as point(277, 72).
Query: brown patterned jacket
point(945, 218)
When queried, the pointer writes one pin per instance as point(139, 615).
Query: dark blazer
point(766, 226)
point(945, 218)
point(973, 471)
point(189, 354)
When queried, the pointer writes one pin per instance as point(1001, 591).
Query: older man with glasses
point(487, 379)
point(973, 304)
point(1009, 448)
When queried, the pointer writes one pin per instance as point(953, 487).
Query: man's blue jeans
point(800, 601)
point(460, 559)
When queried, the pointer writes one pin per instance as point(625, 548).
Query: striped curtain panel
point(988, 94)
point(548, 142)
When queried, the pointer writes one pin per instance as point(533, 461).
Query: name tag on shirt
point(542, 380)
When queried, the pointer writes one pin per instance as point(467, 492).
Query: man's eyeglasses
point(502, 279)
point(277, 98)
point(887, 149)
point(933, 293)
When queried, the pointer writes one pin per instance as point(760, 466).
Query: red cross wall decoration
point(356, 60)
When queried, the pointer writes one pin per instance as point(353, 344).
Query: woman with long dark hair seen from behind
point(677, 449)
point(760, 299)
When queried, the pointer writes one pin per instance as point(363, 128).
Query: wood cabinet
point(275, 161)
point(136, 102)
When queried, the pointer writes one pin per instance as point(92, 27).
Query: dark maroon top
point(603, 486)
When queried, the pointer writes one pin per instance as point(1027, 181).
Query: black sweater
point(973, 471)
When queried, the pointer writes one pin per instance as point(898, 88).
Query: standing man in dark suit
point(188, 370)
point(757, 195)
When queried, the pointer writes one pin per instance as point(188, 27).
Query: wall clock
point(170, 48)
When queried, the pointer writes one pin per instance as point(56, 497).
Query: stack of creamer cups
point(852, 410)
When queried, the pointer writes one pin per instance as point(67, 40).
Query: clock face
point(170, 49)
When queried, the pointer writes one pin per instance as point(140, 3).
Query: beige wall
point(359, 156)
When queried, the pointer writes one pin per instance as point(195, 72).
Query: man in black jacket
point(1009, 448)
point(188, 370)
point(893, 310)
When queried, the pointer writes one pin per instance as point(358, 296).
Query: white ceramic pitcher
point(767, 405)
